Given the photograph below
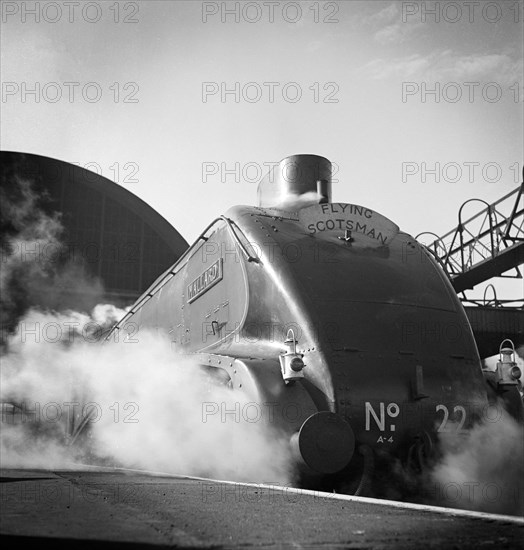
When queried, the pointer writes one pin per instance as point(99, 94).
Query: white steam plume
point(484, 468)
point(36, 268)
point(151, 408)
point(295, 201)
point(148, 402)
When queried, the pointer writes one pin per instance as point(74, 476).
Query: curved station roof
point(117, 237)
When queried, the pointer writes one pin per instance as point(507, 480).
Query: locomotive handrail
point(175, 268)
point(249, 257)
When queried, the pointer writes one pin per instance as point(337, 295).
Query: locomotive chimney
point(296, 179)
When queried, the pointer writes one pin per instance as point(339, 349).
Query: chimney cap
point(296, 178)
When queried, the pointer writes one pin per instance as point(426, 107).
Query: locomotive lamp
point(507, 373)
point(291, 362)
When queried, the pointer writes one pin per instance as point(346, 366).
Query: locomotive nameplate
point(210, 277)
point(339, 218)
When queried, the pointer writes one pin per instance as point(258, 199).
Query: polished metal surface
point(378, 338)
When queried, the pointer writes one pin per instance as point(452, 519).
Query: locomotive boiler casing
point(385, 341)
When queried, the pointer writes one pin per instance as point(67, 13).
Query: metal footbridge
point(487, 245)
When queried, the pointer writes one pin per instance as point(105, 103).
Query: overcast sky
point(139, 91)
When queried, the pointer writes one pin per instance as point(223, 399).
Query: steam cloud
point(147, 407)
point(295, 201)
point(485, 469)
point(146, 403)
point(36, 269)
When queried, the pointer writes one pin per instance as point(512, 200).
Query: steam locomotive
point(330, 311)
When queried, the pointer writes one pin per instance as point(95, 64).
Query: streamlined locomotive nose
point(324, 444)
